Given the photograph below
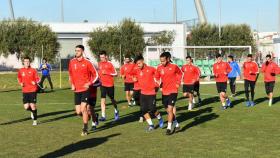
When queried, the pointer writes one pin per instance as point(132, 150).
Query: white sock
point(93, 123)
point(158, 116)
point(149, 121)
point(190, 106)
point(169, 124)
point(193, 100)
point(224, 104)
point(176, 123)
point(103, 114)
point(116, 111)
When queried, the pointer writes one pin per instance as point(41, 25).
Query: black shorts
point(30, 97)
point(188, 88)
point(107, 91)
point(128, 86)
point(81, 97)
point(169, 99)
point(92, 102)
point(221, 87)
point(196, 86)
point(147, 103)
point(269, 86)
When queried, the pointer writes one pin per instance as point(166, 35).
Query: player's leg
point(153, 109)
point(270, 92)
point(170, 115)
point(92, 113)
point(196, 89)
point(246, 89)
point(84, 111)
point(32, 103)
point(252, 89)
point(50, 81)
point(111, 94)
point(144, 102)
point(232, 85)
point(42, 80)
point(103, 103)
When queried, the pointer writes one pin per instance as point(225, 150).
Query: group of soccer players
point(142, 82)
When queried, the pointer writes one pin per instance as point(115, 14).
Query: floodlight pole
point(220, 14)
point(174, 11)
point(62, 11)
point(12, 10)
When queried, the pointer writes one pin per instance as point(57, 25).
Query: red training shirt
point(221, 70)
point(29, 78)
point(106, 73)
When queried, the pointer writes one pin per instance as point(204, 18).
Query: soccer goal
point(203, 56)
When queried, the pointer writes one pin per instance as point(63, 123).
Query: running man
point(250, 73)
point(107, 72)
point(125, 73)
point(81, 75)
point(221, 70)
point(170, 76)
point(145, 76)
point(233, 75)
point(28, 80)
point(190, 77)
point(270, 69)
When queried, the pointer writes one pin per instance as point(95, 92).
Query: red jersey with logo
point(126, 70)
point(221, 70)
point(272, 67)
point(136, 83)
point(81, 72)
point(106, 73)
point(146, 80)
point(29, 78)
point(170, 76)
point(191, 74)
point(250, 70)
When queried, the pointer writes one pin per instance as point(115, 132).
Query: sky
point(261, 15)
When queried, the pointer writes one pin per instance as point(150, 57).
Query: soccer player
point(45, 67)
point(250, 73)
point(28, 79)
point(190, 76)
point(170, 76)
point(125, 73)
point(270, 69)
point(145, 76)
point(221, 70)
point(81, 75)
point(92, 103)
point(107, 72)
point(233, 75)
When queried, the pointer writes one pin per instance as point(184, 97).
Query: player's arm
point(71, 78)
point(179, 75)
point(229, 69)
point(19, 78)
point(93, 73)
point(122, 72)
point(113, 71)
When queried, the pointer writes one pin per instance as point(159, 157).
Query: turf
point(207, 132)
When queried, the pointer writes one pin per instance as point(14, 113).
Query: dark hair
point(103, 52)
point(27, 57)
point(80, 46)
point(249, 55)
point(127, 56)
point(138, 57)
point(165, 54)
point(218, 55)
point(268, 56)
point(189, 57)
point(231, 57)
point(45, 59)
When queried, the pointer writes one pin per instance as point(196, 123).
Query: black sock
point(34, 112)
point(85, 126)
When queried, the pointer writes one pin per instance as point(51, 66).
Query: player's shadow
point(39, 116)
point(181, 117)
point(210, 100)
point(124, 119)
point(260, 100)
point(238, 93)
point(78, 146)
point(276, 100)
point(237, 101)
point(11, 90)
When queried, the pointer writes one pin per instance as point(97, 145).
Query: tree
point(126, 37)
point(25, 37)
point(164, 38)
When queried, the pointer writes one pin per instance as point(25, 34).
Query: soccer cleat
point(252, 103)
point(102, 119)
point(168, 132)
point(228, 102)
point(248, 103)
point(141, 119)
point(97, 121)
point(116, 116)
point(199, 101)
point(93, 128)
point(32, 116)
point(160, 123)
point(150, 128)
point(224, 107)
point(177, 129)
point(84, 132)
point(133, 102)
point(34, 123)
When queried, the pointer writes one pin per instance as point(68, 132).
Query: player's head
point(230, 58)
point(127, 59)
point(268, 57)
point(139, 61)
point(26, 62)
point(79, 50)
point(165, 58)
point(219, 57)
point(45, 60)
point(103, 56)
point(189, 59)
point(249, 57)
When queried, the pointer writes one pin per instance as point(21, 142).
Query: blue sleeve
point(238, 69)
point(41, 67)
point(49, 67)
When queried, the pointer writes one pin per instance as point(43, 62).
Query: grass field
point(208, 132)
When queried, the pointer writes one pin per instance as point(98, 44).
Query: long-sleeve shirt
point(45, 68)
point(29, 78)
point(270, 69)
point(191, 74)
point(235, 70)
point(221, 70)
point(250, 70)
point(170, 77)
point(126, 71)
point(146, 80)
point(106, 73)
point(81, 72)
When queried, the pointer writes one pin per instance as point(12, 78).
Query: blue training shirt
point(235, 70)
point(46, 71)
